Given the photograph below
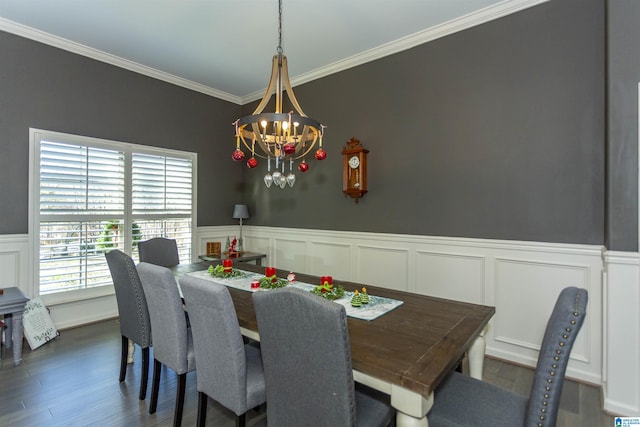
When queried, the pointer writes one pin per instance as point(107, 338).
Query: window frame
point(35, 136)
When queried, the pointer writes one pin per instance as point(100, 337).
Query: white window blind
point(99, 195)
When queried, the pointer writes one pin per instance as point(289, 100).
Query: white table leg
point(475, 355)
point(132, 349)
point(412, 407)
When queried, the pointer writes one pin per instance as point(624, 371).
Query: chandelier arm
point(308, 147)
point(287, 83)
point(270, 87)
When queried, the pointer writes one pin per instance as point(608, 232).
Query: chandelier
point(280, 138)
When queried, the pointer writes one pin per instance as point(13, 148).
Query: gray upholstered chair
point(465, 401)
point(159, 251)
point(134, 315)
point(306, 355)
point(229, 371)
point(172, 341)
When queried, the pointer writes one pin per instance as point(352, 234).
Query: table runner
point(377, 305)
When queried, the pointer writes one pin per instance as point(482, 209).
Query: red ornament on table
point(326, 279)
point(255, 284)
point(269, 271)
point(227, 264)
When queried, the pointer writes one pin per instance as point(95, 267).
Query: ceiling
point(224, 47)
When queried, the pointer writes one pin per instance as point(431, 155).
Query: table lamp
point(240, 212)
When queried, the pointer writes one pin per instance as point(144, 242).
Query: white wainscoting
point(14, 262)
point(521, 279)
point(621, 322)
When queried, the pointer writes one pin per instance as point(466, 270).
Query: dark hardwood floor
point(73, 381)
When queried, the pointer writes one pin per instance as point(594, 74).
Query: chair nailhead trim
point(573, 322)
point(561, 344)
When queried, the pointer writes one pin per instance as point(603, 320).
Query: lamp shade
point(240, 212)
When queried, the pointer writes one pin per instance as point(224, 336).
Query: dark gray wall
point(624, 75)
point(494, 132)
point(48, 88)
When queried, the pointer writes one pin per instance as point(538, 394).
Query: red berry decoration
point(252, 163)
point(289, 148)
point(238, 155)
point(321, 154)
point(303, 166)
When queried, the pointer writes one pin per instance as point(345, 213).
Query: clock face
point(354, 162)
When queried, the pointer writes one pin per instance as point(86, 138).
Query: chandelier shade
point(279, 137)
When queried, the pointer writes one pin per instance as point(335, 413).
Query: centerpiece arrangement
point(224, 270)
point(271, 281)
point(327, 289)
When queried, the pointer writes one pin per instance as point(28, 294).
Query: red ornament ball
point(321, 154)
point(238, 155)
point(289, 148)
point(252, 163)
point(303, 166)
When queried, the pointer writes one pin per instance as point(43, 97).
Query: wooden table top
point(414, 346)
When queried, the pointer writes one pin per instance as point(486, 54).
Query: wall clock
point(354, 169)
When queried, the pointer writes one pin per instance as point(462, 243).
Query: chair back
point(171, 337)
point(218, 343)
point(561, 332)
point(306, 354)
point(132, 304)
point(159, 251)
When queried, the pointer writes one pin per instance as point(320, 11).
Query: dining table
point(406, 352)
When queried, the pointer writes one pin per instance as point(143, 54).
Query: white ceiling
point(224, 47)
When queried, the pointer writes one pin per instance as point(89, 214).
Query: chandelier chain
point(279, 50)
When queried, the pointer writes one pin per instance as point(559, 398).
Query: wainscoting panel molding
point(528, 290)
point(450, 275)
point(387, 267)
point(14, 261)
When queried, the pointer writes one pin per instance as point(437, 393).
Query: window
point(93, 195)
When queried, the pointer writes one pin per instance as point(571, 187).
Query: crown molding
point(80, 49)
point(481, 16)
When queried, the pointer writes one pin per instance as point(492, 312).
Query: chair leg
point(123, 358)
point(182, 385)
point(241, 420)
point(203, 399)
point(155, 386)
point(144, 377)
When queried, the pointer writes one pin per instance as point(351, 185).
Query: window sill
point(65, 297)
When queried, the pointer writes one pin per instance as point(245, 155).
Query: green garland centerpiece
point(218, 271)
point(328, 291)
point(272, 282)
